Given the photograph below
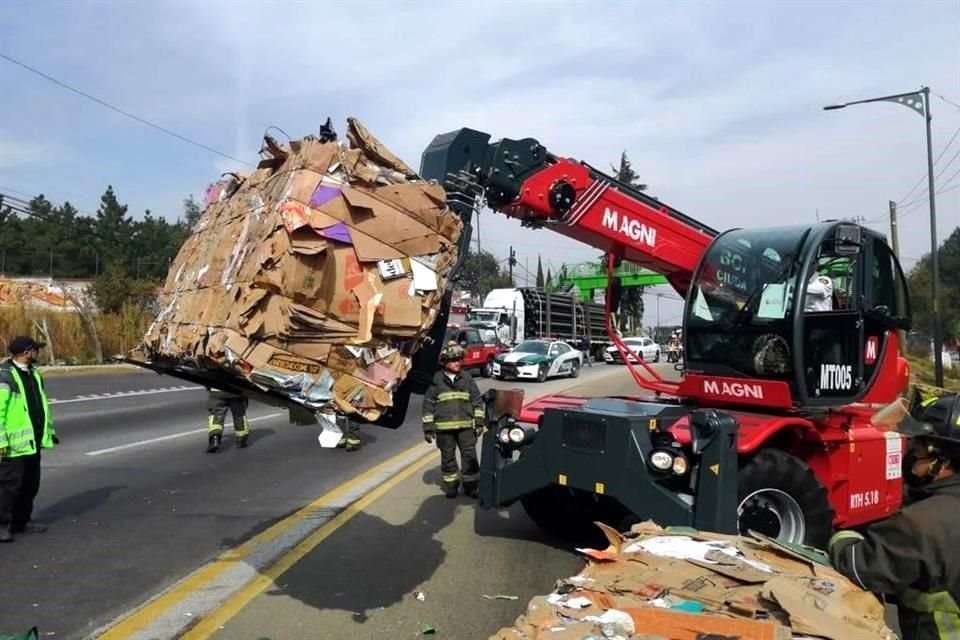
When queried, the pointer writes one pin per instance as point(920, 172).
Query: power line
point(950, 102)
point(53, 202)
point(924, 176)
point(919, 203)
point(106, 104)
point(939, 173)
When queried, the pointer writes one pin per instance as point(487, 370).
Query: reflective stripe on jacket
point(912, 555)
point(452, 404)
point(16, 427)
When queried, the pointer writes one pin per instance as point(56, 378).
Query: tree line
point(125, 257)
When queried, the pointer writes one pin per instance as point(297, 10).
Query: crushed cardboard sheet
point(318, 275)
point(655, 583)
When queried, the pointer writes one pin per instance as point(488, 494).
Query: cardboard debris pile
point(686, 585)
point(318, 275)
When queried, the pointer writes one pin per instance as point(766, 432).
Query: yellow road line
point(201, 578)
point(143, 616)
point(212, 622)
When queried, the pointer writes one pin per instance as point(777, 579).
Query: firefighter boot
point(213, 443)
point(243, 434)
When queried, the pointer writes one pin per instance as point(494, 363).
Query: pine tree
point(540, 280)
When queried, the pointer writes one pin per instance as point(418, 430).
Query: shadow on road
point(512, 523)
point(77, 504)
point(378, 565)
point(230, 438)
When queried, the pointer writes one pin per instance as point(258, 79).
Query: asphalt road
point(134, 503)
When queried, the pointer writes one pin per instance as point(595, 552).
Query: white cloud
point(16, 153)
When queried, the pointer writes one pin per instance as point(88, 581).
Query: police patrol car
point(538, 360)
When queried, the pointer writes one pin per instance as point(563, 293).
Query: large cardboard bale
point(317, 276)
point(686, 585)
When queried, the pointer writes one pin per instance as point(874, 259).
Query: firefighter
point(218, 403)
point(453, 415)
point(350, 441)
point(913, 555)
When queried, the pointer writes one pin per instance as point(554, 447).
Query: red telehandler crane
point(768, 428)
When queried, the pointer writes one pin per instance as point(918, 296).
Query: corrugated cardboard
point(317, 275)
point(745, 588)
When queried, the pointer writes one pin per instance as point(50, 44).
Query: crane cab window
point(739, 321)
point(832, 328)
point(831, 286)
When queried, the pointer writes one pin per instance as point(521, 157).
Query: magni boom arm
point(521, 179)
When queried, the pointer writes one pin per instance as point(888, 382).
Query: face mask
point(909, 459)
point(909, 479)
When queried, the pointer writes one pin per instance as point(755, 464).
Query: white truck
point(527, 312)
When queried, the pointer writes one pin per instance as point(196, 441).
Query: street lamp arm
point(895, 96)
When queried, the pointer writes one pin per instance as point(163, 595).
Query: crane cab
point(801, 316)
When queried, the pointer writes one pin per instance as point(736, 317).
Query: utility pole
point(934, 258)
point(512, 260)
point(479, 263)
point(658, 316)
point(895, 245)
point(894, 232)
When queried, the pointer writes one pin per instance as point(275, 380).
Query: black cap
point(22, 344)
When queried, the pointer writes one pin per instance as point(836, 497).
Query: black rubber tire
point(487, 370)
point(778, 470)
point(542, 373)
point(575, 369)
point(656, 358)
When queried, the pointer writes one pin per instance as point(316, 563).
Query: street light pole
point(919, 102)
point(934, 258)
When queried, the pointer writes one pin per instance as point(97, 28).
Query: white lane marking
point(124, 394)
point(140, 443)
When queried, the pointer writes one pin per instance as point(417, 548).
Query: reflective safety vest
point(16, 427)
point(452, 404)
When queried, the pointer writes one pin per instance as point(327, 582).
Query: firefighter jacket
point(452, 404)
point(17, 432)
point(913, 555)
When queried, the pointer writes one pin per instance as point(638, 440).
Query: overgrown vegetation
point(921, 371)
point(70, 343)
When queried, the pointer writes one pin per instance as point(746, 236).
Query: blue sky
point(717, 103)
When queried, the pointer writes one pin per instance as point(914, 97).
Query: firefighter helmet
point(451, 353)
point(936, 419)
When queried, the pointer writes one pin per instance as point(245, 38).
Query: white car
point(644, 347)
point(538, 360)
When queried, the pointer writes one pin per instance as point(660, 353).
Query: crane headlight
point(661, 460)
